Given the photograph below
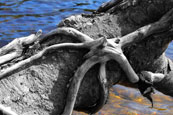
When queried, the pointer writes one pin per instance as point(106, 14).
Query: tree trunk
point(41, 87)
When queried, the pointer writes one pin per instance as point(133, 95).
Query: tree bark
point(41, 86)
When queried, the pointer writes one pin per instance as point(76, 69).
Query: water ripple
point(23, 17)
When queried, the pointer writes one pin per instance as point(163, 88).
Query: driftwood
point(15, 48)
point(96, 50)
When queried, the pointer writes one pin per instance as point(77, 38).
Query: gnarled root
point(101, 51)
point(70, 32)
point(113, 51)
point(105, 54)
point(40, 54)
point(15, 48)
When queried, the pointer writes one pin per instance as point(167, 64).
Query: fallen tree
point(74, 65)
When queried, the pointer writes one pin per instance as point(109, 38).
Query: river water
point(23, 17)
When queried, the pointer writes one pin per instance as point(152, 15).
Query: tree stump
point(36, 78)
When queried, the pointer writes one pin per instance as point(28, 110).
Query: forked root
point(15, 48)
point(88, 45)
point(75, 84)
point(114, 51)
point(106, 53)
point(101, 51)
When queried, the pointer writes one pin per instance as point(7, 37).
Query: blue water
point(169, 51)
point(23, 17)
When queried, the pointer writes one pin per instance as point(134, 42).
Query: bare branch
point(69, 32)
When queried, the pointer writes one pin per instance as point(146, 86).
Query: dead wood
point(100, 51)
point(15, 48)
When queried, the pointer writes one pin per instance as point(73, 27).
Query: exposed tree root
point(115, 53)
point(70, 32)
point(15, 48)
point(101, 51)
